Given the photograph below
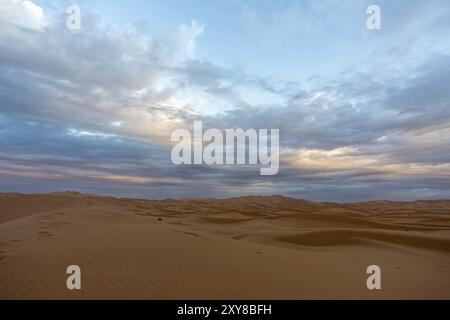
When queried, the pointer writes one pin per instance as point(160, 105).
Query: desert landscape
point(251, 247)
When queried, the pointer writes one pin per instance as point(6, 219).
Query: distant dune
point(240, 248)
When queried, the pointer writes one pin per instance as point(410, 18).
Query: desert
point(250, 247)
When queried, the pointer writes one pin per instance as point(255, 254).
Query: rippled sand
point(240, 248)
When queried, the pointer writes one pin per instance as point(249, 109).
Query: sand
point(240, 248)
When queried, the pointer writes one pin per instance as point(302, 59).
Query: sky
point(363, 114)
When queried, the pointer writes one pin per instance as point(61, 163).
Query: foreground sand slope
point(240, 248)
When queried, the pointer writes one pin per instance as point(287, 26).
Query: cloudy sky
point(363, 114)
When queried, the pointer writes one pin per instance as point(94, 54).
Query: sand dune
point(240, 248)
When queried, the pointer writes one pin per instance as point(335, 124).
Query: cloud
point(23, 14)
point(106, 75)
point(188, 34)
point(93, 109)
